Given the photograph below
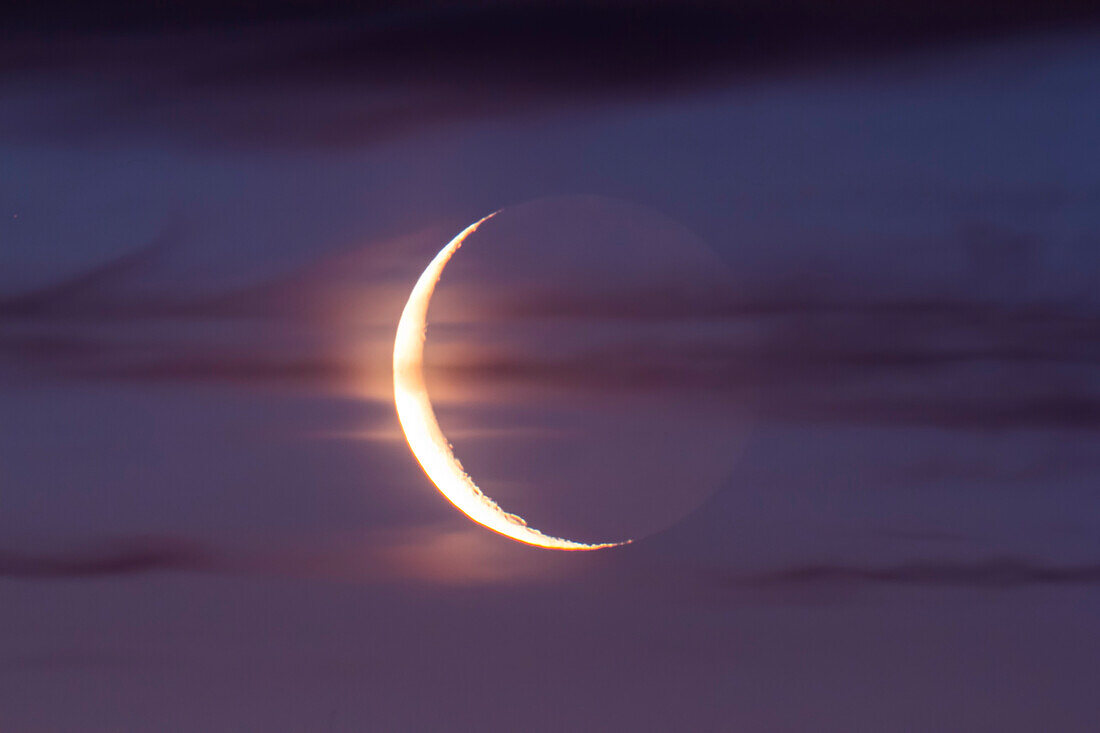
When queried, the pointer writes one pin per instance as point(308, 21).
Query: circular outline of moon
point(418, 421)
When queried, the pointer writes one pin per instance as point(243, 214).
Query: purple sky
point(834, 301)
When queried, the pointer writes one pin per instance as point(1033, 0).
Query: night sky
point(802, 297)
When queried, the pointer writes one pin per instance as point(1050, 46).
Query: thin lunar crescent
point(422, 430)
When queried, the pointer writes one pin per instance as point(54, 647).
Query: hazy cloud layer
point(839, 355)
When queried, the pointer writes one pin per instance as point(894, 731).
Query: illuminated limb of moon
point(422, 430)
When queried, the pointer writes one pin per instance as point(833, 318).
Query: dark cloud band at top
point(290, 65)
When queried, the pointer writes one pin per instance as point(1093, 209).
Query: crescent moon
point(426, 440)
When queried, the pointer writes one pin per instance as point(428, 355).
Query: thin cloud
point(433, 554)
point(116, 558)
point(1007, 572)
point(457, 555)
point(95, 291)
point(228, 368)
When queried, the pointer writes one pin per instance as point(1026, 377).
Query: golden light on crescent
point(422, 431)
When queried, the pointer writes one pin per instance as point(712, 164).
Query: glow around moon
point(422, 431)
